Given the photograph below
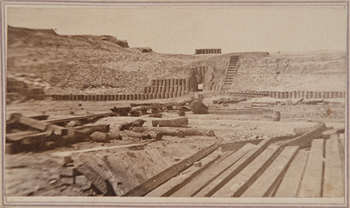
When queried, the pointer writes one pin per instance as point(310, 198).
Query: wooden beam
point(233, 170)
point(198, 183)
point(290, 183)
point(56, 121)
point(271, 177)
point(170, 172)
point(228, 111)
point(333, 185)
point(40, 125)
point(237, 185)
point(311, 184)
point(18, 136)
point(185, 177)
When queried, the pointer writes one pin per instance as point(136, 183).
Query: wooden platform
point(306, 166)
point(268, 169)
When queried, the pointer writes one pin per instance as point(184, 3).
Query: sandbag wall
point(208, 51)
point(168, 88)
point(290, 94)
point(159, 89)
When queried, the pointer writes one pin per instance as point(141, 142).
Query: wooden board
point(186, 176)
point(311, 184)
point(333, 185)
point(14, 137)
point(170, 172)
point(228, 111)
point(227, 175)
point(238, 184)
point(56, 121)
point(42, 126)
point(291, 180)
point(211, 173)
point(269, 179)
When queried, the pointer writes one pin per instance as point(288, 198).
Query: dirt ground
point(37, 173)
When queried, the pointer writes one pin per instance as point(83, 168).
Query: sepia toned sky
point(184, 29)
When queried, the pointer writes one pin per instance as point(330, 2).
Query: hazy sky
point(184, 29)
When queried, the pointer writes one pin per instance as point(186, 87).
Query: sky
point(174, 29)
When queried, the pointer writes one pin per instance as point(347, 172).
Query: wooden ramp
point(269, 169)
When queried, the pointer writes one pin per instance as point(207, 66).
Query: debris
point(127, 126)
point(156, 115)
point(276, 116)
point(67, 160)
point(39, 125)
point(121, 111)
point(115, 136)
point(145, 135)
point(229, 100)
point(178, 122)
point(296, 102)
point(181, 112)
point(100, 137)
point(84, 132)
point(197, 107)
point(312, 102)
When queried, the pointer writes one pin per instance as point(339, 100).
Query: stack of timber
point(25, 133)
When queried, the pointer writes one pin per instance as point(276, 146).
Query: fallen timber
point(48, 131)
point(178, 132)
point(39, 125)
point(230, 111)
point(91, 117)
point(178, 122)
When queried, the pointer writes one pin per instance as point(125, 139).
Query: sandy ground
point(37, 173)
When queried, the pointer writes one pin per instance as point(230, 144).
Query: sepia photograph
point(174, 104)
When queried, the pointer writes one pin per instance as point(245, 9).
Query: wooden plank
point(270, 178)
point(170, 172)
point(228, 111)
point(227, 175)
point(56, 121)
point(311, 184)
point(177, 182)
point(68, 153)
point(211, 173)
point(40, 125)
point(333, 185)
point(238, 184)
point(290, 183)
point(17, 136)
